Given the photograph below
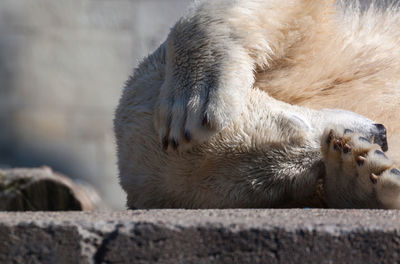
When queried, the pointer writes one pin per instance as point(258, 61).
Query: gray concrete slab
point(202, 236)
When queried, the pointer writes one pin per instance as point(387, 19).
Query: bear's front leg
point(206, 78)
point(212, 54)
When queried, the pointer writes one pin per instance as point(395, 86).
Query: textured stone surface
point(202, 236)
point(41, 189)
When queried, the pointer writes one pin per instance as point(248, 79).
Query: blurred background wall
point(62, 67)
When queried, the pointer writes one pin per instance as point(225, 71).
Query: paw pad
point(380, 153)
point(358, 167)
point(395, 172)
point(364, 139)
point(348, 131)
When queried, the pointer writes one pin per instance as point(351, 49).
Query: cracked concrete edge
point(202, 236)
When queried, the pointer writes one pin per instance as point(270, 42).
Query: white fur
point(223, 61)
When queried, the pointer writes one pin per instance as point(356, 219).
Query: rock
point(41, 189)
point(202, 236)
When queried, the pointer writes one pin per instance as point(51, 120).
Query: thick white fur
point(235, 96)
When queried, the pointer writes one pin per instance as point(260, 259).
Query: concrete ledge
point(202, 236)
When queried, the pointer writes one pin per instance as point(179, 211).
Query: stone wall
point(62, 67)
point(202, 236)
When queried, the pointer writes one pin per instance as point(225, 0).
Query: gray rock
point(41, 189)
point(202, 236)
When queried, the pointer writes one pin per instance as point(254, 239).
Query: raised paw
point(184, 118)
point(202, 92)
point(358, 172)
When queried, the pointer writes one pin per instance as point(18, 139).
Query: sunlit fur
point(261, 70)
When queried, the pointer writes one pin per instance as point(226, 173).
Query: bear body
point(255, 103)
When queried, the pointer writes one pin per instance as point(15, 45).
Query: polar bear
point(266, 103)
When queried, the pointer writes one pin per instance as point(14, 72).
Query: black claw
point(188, 136)
point(329, 138)
point(348, 131)
point(395, 172)
point(165, 143)
point(206, 121)
point(380, 153)
point(174, 144)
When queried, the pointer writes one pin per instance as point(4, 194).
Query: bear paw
point(183, 120)
point(358, 172)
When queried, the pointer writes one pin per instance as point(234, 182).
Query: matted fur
point(235, 96)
